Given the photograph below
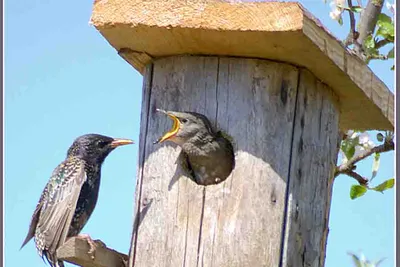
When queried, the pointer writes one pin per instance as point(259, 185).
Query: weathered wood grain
point(75, 251)
point(176, 210)
point(139, 204)
point(240, 221)
point(313, 157)
point(149, 29)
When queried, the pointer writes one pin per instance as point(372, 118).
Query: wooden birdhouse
point(274, 79)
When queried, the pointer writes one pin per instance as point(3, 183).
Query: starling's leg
point(93, 244)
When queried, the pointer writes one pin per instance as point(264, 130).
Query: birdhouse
point(281, 86)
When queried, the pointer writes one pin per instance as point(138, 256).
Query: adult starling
point(70, 196)
point(209, 155)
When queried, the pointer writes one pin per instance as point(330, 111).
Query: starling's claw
point(93, 244)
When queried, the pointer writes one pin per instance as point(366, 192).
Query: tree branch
point(368, 22)
point(352, 19)
point(353, 35)
point(349, 166)
point(382, 43)
point(361, 180)
point(381, 57)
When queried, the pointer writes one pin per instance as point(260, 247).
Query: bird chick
point(208, 154)
point(70, 195)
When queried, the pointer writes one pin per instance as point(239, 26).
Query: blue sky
point(62, 80)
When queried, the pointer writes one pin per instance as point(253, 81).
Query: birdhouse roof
point(141, 30)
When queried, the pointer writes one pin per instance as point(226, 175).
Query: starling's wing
point(34, 220)
point(58, 208)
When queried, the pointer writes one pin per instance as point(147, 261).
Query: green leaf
point(380, 137)
point(392, 68)
point(356, 260)
point(383, 18)
point(370, 50)
point(349, 152)
point(384, 186)
point(348, 146)
point(391, 53)
point(385, 27)
point(357, 191)
point(340, 21)
point(386, 33)
point(376, 264)
point(356, 9)
point(369, 42)
point(375, 165)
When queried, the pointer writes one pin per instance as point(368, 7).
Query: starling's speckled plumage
point(209, 155)
point(70, 195)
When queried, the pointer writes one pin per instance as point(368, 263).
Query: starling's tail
point(52, 259)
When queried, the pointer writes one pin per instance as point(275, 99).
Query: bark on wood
point(247, 219)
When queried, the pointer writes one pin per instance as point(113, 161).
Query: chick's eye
point(184, 120)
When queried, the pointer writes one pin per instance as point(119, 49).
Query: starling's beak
point(174, 129)
point(120, 142)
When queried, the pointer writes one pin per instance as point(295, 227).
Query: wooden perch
point(76, 251)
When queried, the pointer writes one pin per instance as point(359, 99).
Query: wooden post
point(284, 118)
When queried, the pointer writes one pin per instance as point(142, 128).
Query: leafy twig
point(368, 22)
point(382, 43)
point(349, 166)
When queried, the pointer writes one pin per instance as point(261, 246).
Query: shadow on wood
point(140, 216)
point(75, 251)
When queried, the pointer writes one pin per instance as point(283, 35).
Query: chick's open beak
point(120, 142)
point(174, 129)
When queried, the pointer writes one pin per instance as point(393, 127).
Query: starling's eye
point(101, 143)
point(184, 120)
